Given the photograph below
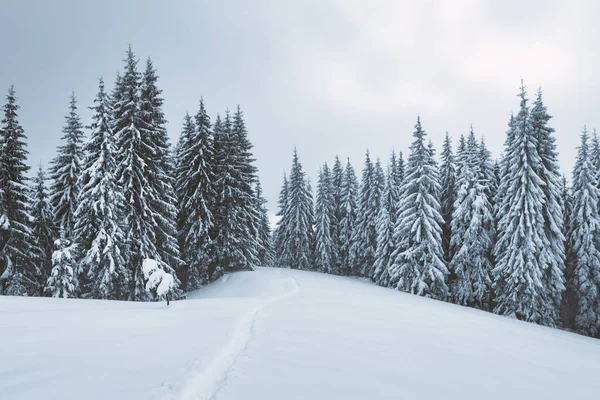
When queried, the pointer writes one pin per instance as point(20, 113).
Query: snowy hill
point(282, 334)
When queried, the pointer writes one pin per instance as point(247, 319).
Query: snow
point(283, 334)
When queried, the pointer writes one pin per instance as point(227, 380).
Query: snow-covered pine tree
point(43, 228)
point(265, 254)
point(62, 280)
point(584, 239)
point(279, 235)
point(399, 176)
point(487, 172)
point(337, 179)
point(296, 224)
point(235, 246)
point(595, 150)
point(323, 210)
point(347, 225)
point(98, 217)
point(160, 173)
point(364, 237)
point(519, 274)
point(553, 254)
point(386, 220)
point(569, 304)
point(17, 244)
point(472, 231)
point(195, 188)
point(460, 155)
point(66, 170)
point(139, 171)
point(448, 194)
point(418, 265)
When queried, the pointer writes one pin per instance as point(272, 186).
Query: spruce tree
point(43, 228)
point(553, 254)
point(265, 254)
point(17, 244)
point(98, 216)
point(62, 280)
point(323, 211)
point(569, 299)
point(447, 181)
point(584, 239)
point(418, 265)
point(66, 170)
point(337, 180)
point(195, 188)
point(349, 209)
point(472, 231)
point(279, 235)
point(520, 271)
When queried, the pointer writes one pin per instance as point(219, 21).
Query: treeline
point(124, 195)
point(506, 236)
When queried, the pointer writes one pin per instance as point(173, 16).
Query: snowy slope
point(281, 334)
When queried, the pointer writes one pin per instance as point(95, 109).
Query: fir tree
point(337, 180)
point(62, 281)
point(66, 171)
point(279, 235)
point(98, 224)
point(323, 211)
point(553, 254)
point(584, 239)
point(472, 231)
point(418, 265)
point(519, 275)
point(447, 181)
point(43, 228)
point(569, 299)
point(265, 254)
point(348, 218)
point(195, 188)
point(17, 243)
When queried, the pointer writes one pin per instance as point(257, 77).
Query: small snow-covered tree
point(62, 280)
point(66, 171)
point(584, 239)
point(418, 265)
point(159, 283)
point(323, 210)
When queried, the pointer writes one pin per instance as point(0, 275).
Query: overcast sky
point(327, 76)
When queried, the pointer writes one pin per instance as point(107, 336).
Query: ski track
point(206, 384)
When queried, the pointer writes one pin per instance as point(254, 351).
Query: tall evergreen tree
point(472, 231)
point(519, 275)
point(584, 237)
point(43, 228)
point(195, 188)
point(337, 180)
point(553, 254)
point(323, 211)
point(98, 225)
point(62, 280)
point(447, 181)
point(569, 301)
point(265, 253)
point(418, 265)
point(66, 171)
point(347, 225)
point(19, 276)
point(279, 235)
point(296, 223)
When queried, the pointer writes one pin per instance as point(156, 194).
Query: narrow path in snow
point(206, 384)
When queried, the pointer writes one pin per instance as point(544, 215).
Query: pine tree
point(584, 237)
point(279, 235)
point(140, 172)
point(337, 180)
point(17, 243)
point(552, 208)
point(195, 188)
point(43, 228)
point(472, 231)
point(265, 254)
point(386, 220)
point(418, 265)
point(569, 299)
point(519, 275)
point(347, 225)
point(234, 246)
point(62, 280)
point(364, 239)
point(447, 181)
point(323, 211)
point(66, 171)
point(98, 224)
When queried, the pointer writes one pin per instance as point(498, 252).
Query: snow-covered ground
point(281, 334)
